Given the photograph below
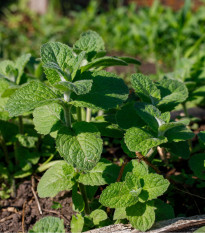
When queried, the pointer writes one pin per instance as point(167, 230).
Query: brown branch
point(141, 157)
point(121, 171)
point(23, 216)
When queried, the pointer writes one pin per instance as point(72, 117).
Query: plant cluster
point(78, 105)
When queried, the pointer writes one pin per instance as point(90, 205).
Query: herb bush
point(78, 105)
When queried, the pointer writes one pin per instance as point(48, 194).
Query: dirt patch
point(20, 213)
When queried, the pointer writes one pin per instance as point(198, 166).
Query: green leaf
point(59, 56)
point(145, 88)
point(103, 173)
point(133, 183)
point(27, 140)
point(200, 230)
point(197, 165)
point(8, 130)
point(104, 62)
point(120, 213)
point(89, 41)
point(127, 117)
point(163, 211)
point(8, 70)
point(108, 91)
point(77, 223)
point(201, 137)
point(179, 133)
point(108, 130)
point(77, 63)
point(153, 185)
point(180, 149)
point(98, 216)
point(130, 60)
point(172, 92)
point(131, 154)
point(164, 127)
point(80, 146)
point(117, 195)
point(150, 115)
point(140, 140)
point(141, 215)
point(78, 203)
point(57, 178)
point(48, 118)
point(28, 97)
point(138, 168)
point(21, 63)
point(48, 224)
point(79, 87)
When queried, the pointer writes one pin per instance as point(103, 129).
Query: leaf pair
point(133, 196)
point(166, 94)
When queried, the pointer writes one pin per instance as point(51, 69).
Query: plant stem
point(20, 124)
point(88, 114)
point(79, 114)
point(185, 109)
point(4, 147)
point(85, 198)
point(67, 114)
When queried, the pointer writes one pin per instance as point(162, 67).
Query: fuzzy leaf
point(117, 195)
point(108, 91)
point(201, 137)
point(127, 117)
point(48, 118)
point(108, 130)
point(141, 216)
point(130, 60)
point(139, 169)
point(8, 70)
point(197, 165)
point(172, 92)
point(48, 224)
point(77, 63)
point(89, 41)
point(30, 96)
point(145, 88)
point(77, 199)
point(150, 115)
point(79, 87)
point(21, 63)
point(81, 147)
point(104, 62)
point(77, 223)
point(180, 149)
point(133, 183)
point(179, 133)
point(163, 210)
point(58, 54)
point(140, 140)
point(55, 179)
point(120, 213)
point(103, 173)
point(153, 185)
point(163, 128)
point(98, 216)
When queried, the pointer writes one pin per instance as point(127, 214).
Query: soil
point(20, 214)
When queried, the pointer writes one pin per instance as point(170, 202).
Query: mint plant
point(66, 108)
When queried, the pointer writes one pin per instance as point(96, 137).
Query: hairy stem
point(79, 114)
point(85, 198)
point(88, 114)
point(67, 114)
point(4, 148)
point(185, 109)
point(20, 124)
